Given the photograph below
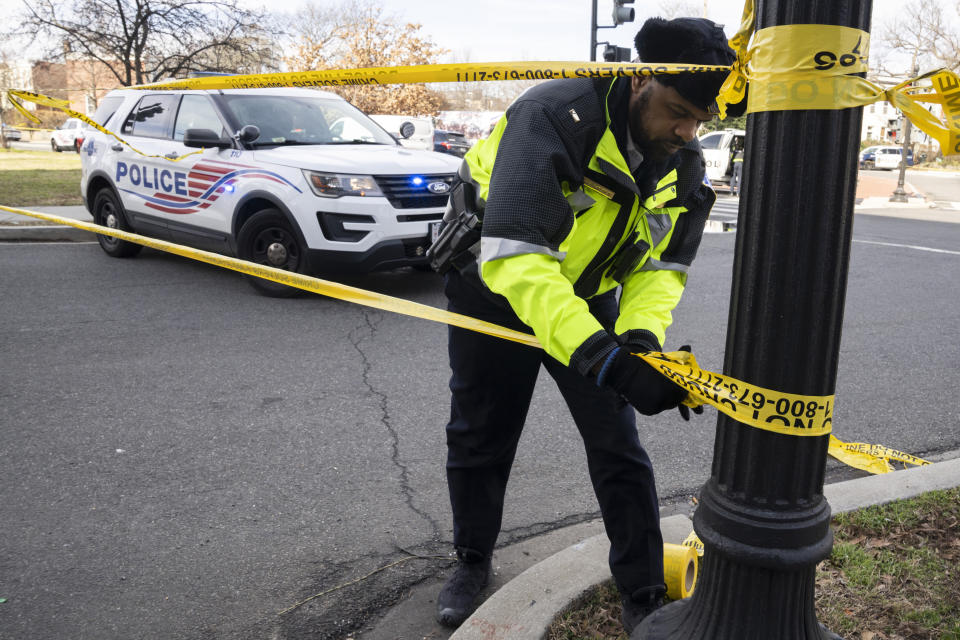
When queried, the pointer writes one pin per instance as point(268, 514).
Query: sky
point(499, 30)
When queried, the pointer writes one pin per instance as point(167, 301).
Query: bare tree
point(923, 30)
point(6, 80)
point(145, 40)
point(682, 8)
point(358, 34)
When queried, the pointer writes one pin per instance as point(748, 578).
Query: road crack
point(357, 336)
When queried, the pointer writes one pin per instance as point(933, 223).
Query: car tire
point(268, 238)
point(53, 146)
point(108, 212)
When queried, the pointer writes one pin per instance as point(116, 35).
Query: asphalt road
point(185, 459)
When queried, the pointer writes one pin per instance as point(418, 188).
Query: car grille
point(404, 194)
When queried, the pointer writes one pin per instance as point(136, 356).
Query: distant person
point(737, 176)
point(585, 186)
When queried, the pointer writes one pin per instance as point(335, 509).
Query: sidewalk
point(878, 190)
point(538, 578)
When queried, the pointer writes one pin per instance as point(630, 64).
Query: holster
point(460, 232)
point(627, 259)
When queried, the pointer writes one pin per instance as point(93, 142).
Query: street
point(186, 459)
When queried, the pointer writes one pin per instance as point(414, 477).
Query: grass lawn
point(32, 178)
point(894, 574)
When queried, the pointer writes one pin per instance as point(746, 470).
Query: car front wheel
point(108, 212)
point(53, 145)
point(267, 238)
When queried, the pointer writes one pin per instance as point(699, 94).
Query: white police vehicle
point(719, 148)
point(293, 178)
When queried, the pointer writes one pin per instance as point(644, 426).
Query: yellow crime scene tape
point(21, 128)
point(16, 95)
point(786, 413)
point(816, 66)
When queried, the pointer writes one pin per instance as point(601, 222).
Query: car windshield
point(711, 141)
point(294, 120)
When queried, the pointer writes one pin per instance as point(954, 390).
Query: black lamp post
point(899, 195)
point(762, 517)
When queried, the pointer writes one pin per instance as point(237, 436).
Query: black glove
point(643, 386)
point(684, 409)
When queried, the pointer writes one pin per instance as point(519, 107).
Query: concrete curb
point(881, 202)
point(524, 608)
point(45, 233)
point(19, 228)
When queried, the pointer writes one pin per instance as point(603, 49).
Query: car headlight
point(334, 185)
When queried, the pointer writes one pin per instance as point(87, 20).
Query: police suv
point(719, 148)
point(292, 178)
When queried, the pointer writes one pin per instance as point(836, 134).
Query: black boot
point(456, 600)
point(639, 604)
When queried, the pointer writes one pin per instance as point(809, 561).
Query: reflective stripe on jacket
point(564, 219)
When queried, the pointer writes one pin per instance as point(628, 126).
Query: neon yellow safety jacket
point(565, 220)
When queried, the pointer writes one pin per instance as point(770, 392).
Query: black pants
point(491, 385)
point(737, 178)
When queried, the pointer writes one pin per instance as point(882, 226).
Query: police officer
point(583, 187)
point(737, 176)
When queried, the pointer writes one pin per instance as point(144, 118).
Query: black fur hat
point(691, 40)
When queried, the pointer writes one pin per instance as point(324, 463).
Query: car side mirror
point(249, 133)
point(407, 129)
point(205, 138)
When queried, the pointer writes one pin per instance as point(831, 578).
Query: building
point(881, 119)
point(81, 81)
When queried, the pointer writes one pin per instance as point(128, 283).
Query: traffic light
point(613, 53)
point(621, 13)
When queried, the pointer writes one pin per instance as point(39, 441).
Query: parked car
point(11, 133)
point(718, 150)
point(888, 157)
point(422, 136)
point(65, 136)
point(868, 157)
point(450, 142)
point(292, 178)
point(78, 141)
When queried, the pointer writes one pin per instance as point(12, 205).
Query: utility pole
point(593, 32)
point(763, 519)
point(899, 194)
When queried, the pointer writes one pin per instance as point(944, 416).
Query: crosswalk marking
point(723, 216)
point(725, 208)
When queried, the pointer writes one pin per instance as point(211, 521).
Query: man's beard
point(658, 149)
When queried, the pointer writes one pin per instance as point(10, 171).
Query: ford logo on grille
point(438, 187)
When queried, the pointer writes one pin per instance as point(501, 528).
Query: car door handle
point(172, 155)
point(116, 147)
